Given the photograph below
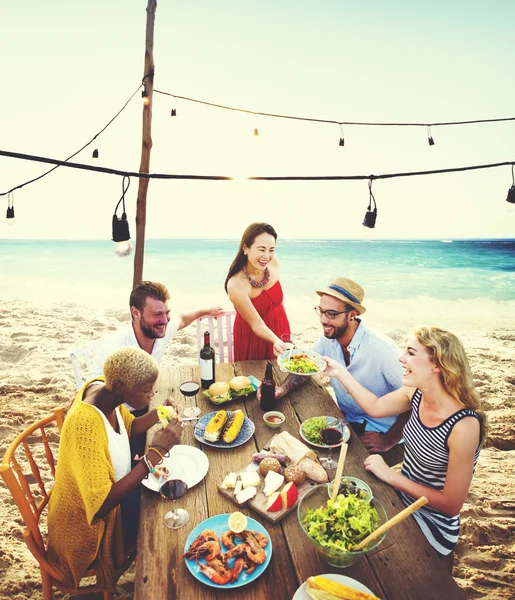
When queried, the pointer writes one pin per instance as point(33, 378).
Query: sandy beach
point(36, 377)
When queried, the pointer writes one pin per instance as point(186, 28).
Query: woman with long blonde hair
point(442, 437)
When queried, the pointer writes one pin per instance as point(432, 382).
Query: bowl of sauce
point(274, 419)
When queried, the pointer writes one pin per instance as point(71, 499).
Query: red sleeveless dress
point(269, 304)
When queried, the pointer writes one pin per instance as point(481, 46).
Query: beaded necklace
point(258, 284)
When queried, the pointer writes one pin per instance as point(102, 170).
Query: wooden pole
point(146, 146)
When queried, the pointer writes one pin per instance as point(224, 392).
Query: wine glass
point(332, 435)
point(189, 389)
point(172, 485)
point(288, 338)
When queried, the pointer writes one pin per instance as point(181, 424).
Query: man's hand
point(279, 392)
point(376, 465)
point(376, 442)
point(214, 311)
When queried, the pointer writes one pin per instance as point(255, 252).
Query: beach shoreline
point(36, 377)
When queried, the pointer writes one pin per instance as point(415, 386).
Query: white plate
point(194, 462)
point(301, 593)
point(285, 356)
point(345, 433)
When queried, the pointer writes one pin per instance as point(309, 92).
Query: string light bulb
point(256, 132)
point(9, 216)
point(370, 215)
point(121, 235)
point(430, 139)
point(511, 192)
point(144, 95)
point(174, 112)
point(342, 139)
point(95, 153)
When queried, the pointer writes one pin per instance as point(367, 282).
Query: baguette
point(321, 588)
point(313, 470)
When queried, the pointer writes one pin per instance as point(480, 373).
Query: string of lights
point(61, 163)
point(333, 121)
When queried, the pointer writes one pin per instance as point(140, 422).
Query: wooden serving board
point(259, 502)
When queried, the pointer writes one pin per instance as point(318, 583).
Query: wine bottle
point(268, 389)
point(207, 363)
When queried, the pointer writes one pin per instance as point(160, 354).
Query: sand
point(36, 377)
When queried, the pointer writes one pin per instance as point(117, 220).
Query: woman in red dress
point(254, 288)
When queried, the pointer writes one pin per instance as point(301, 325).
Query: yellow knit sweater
point(84, 476)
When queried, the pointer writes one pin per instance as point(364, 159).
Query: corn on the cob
point(215, 426)
point(326, 589)
point(233, 426)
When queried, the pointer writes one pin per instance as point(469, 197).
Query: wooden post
point(146, 146)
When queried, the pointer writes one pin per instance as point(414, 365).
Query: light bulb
point(10, 222)
point(122, 249)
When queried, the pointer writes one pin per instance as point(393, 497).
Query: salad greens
point(301, 363)
point(312, 428)
point(342, 523)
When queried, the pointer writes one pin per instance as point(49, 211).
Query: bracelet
point(145, 462)
point(157, 452)
point(166, 453)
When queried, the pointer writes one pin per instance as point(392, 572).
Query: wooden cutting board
point(259, 502)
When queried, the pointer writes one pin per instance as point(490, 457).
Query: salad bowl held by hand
point(301, 362)
point(315, 512)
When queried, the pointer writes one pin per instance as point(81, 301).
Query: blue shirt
point(374, 364)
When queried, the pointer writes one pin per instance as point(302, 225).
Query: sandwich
point(165, 414)
point(219, 392)
point(241, 386)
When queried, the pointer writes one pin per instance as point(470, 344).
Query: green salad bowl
point(317, 498)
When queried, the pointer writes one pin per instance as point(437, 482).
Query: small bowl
point(352, 485)
point(274, 413)
point(315, 498)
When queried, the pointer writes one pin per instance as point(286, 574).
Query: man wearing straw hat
point(372, 358)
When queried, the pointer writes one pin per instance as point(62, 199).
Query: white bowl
point(274, 413)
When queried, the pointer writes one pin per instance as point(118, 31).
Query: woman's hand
point(376, 465)
point(169, 436)
point(280, 347)
point(333, 368)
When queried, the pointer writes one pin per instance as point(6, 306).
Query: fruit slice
point(274, 503)
point(289, 495)
point(237, 522)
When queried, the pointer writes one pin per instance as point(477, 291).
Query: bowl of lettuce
point(335, 527)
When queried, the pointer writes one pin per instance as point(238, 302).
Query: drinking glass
point(189, 389)
point(288, 338)
point(172, 485)
point(332, 435)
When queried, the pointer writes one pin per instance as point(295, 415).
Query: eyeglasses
point(330, 314)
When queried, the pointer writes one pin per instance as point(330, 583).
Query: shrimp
point(209, 549)
point(228, 539)
point(239, 550)
point(216, 571)
point(253, 549)
point(208, 535)
point(261, 538)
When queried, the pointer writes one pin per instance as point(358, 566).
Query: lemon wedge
point(237, 522)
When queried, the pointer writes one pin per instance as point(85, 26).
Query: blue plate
point(246, 432)
point(219, 525)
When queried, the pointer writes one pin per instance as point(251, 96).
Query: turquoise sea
point(445, 276)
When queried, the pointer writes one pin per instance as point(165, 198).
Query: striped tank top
point(426, 458)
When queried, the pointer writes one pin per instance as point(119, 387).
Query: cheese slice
point(250, 478)
point(238, 487)
point(246, 494)
point(229, 482)
point(273, 481)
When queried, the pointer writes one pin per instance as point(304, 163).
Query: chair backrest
point(83, 356)
point(220, 329)
point(32, 492)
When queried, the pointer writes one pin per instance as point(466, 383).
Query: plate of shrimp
point(222, 559)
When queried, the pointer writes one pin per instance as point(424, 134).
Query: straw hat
point(347, 291)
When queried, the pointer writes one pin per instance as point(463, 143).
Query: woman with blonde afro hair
point(93, 511)
point(442, 437)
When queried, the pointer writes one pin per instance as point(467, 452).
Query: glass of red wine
point(172, 485)
point(190, 389)
point(332, 436)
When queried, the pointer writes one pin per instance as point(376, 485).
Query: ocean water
point(457, 278)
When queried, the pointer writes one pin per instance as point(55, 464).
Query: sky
point(69, 67)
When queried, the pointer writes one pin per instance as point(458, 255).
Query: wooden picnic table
point(403, 566)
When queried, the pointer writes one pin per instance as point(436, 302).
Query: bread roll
point(313, 470)
point(269, 464)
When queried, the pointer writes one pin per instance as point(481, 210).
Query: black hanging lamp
point(95, 153)
point(121, 235)
point(430, 139)
point(342, 139)
point(511, 192)
point(370, 215)
point(10, 209)
point(174, 112)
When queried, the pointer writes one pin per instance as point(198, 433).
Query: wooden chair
point(31, 501)
point(84, 356)
point(221, 335)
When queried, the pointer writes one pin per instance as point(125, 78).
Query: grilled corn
point(321, 588)
point(233, 426)
point(214, 427)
